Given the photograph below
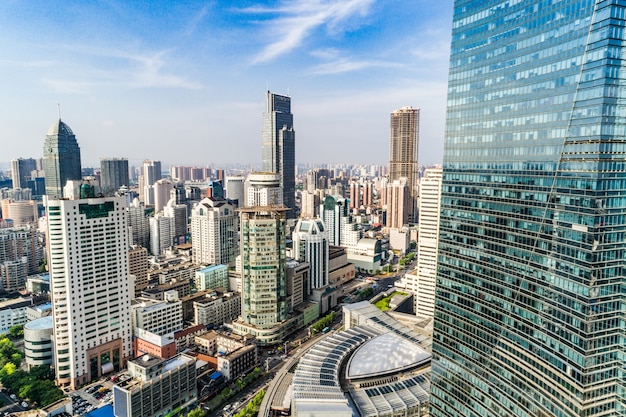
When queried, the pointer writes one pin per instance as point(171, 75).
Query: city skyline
point(146, 77)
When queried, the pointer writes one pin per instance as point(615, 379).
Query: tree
point(226, 392)
point(196, 412)
point(16, 331)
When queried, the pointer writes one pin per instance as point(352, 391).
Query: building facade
point(91, 287)
point(310, 244)
point(61, 158)
point(21, 171)
point(113, 174)
point(279, 147)
point(263, 189)
point(214, 226)
point(528, 320)
point(403, 147)
point(335, 213)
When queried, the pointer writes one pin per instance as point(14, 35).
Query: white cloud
point(297, 20)
point(342, 65)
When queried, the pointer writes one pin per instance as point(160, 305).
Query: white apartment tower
point(214, 226)
point(310, 244)
point(335, 214)
point(90, 286)
point(263, 189)
point(427, 242)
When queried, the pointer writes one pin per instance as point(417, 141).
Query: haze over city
point(185, 83)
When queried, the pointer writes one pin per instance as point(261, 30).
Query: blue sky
point(184, 82)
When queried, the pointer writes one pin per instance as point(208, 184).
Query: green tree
point(196, 412)
point(226, 393)
point(16, 331)
point(240, 384)
point(42, 372)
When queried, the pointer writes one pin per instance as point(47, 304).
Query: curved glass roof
point(60, 128)
point(385, 354)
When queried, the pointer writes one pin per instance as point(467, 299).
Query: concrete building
point(217, 309)
point(113, 174)
point(13, 313)
point(335, 214)
point(278, 146)
point(158, 317)
point(423, 286)
point(21, 212)
point(61, 158)
point(366, 255)
point(403, 151)
point(20, 255)
point(211, 277)
point(238, 362)
point(153, 344)
point(214, 226)
point(398, 203)
point(235, 190)
point(91, 287)
point(162, 231)
point(138, 266)
point(178, 213)
point(263, 189)
point(310, 244)
point(156, 387)
point(138, 224)
point(161, 189)
point(151, 173)
point(38, 346)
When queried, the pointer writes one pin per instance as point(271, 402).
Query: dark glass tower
point(529, 307)
point(61, 158)
point(113, 174)
point(279, 148)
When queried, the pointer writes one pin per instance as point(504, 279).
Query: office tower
point(422, 283)
point(403, 145)
point(528, 317)
point(138, 224)
point(310, 203)
point(312, 178)
point(235, 190)
point(21, 171)
point(215, 189)
point(398, 203)
point(342, 230)
point(214, 226)
point(61, 158)
point(114, 174)
point(310, 244)
point(90, 285)
point(263, 189)
point(279, 149)
point(177, 212)
point(161, 233)
point(263, 272)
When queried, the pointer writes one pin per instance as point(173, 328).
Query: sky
point(184, 82)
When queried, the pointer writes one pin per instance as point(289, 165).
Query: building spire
point(59, 110)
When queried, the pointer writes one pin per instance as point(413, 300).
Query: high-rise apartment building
point(162, 230)
point(138, 224)
point(61, 158)
point(214, 226)
point(90, 286)
point(311, 245)
point(151, 173)
point(279, 149)
point(21, 171)
point(342, 230)
point(528, 311)
point(422, 283)
point(113, 174)
point(398, 203)
point(403, 147)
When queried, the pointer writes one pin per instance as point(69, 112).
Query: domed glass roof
point(60, 128)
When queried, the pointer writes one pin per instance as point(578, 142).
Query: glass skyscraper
point(279, 148)
point(61, 158)
point(529, 305)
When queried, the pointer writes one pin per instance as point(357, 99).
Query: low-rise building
point(217, 309)
point(156, 387)
point(38, 346)
point(211, 277)
point(13, 313)
point(237, 362)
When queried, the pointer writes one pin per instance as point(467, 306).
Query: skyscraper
point(528, 310)
point(403, 146)
point(21, 170)
point(310, 244)
point(61, 158)
point(90, 286)
point(114, 174)
point(279, 149)
point(263, 274)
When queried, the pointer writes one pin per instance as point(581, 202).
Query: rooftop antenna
point(59, 110)
point(289, 95)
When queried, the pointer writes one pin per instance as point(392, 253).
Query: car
point(24, 404)
point(13, 396)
